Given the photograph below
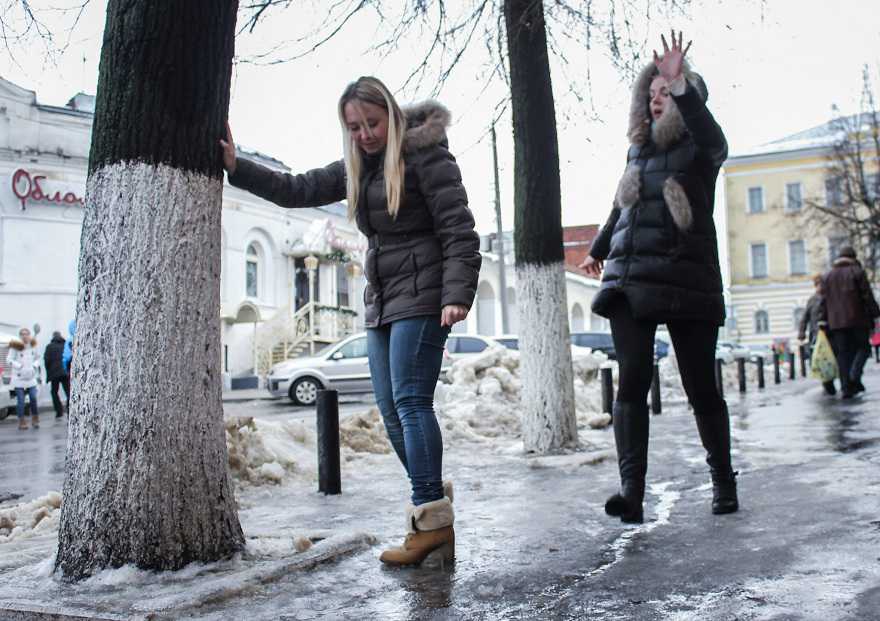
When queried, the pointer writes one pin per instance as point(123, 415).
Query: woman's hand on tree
point(673, 58)
point(452, 314)
point(592, 266)
point(228, 147)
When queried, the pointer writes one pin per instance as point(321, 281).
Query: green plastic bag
point(823, 364)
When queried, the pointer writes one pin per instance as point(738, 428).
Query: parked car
point(512, 342)
point(761, 351)
point(597, 341)
point(463, 345)
point(735, 349)
point(7, 395)
point(343, 367)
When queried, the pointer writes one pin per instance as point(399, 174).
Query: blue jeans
point(19, 400)
point(405, 358)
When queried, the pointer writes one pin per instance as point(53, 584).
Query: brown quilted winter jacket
point(848, 299)
point(426, 258)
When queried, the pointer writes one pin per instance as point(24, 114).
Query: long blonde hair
point(371, 90)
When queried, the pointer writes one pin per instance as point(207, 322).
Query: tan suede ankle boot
point(430, 534)
point(35, 421)
point(22, 423)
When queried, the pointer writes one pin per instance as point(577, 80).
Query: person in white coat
point(25, 362)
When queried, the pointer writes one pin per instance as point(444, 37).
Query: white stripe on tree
point(147, 478)
point(549, 421)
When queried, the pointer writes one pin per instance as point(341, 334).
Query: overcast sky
point(772, 70)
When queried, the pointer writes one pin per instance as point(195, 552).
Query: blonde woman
point(404, 190)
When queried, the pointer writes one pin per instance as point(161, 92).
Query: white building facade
point(43, 165)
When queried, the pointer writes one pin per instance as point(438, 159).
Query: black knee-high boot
point(714, 428)
point(631, 436)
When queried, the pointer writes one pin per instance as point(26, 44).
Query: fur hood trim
point(19, 346)
point(430, 516)
point(426, 124)
point(844, 262)
point(669, 127)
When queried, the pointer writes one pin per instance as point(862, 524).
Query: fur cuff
point(430, 516)
point(628, 187)
point(678, 204)
point(448, 491)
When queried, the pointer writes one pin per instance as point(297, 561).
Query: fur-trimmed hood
point(19, 346)
point(426, 123)
point(669, 127)
point(845, 261)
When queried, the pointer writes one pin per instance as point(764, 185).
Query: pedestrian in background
point(56, 374)
point(810, 322)
point(849, 309)
point(25, 363)
point(660, 254)
point(405, 192)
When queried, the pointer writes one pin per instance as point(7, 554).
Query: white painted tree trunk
point(549, 420)
point(147, 478)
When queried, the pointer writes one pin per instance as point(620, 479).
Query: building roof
point(809, 141)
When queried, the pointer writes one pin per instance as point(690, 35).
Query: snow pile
point(482, 400)
point(267, 452)
point(364, 433)
point(30, 518)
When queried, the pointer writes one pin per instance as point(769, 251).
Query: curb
point(204, 592)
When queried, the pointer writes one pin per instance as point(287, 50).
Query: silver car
point(342, 367)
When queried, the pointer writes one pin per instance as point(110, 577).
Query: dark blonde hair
point(371, 90)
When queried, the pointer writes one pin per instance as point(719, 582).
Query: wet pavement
point(533, 541)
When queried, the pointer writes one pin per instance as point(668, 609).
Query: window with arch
point(762, 322)
point(252, 271)
point(577, 318)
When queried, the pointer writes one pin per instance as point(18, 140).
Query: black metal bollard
point(791, 370)
point(760, 363)
point(329, 476)
point(719, 376)
point(777, 377)
point(877, 353)
point(607, 390)
point(656, 406)
point(802, 351)
point(741, 373)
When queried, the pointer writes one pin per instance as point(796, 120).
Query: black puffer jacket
point(659, 242)
point(52, 359)
point(426, 258)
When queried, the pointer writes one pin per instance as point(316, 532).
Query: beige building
point(773, 247)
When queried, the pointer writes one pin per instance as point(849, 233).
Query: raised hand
point(228, 147)
point(673, 58)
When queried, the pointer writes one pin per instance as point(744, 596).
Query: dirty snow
point(30, 518)
point(267, 452)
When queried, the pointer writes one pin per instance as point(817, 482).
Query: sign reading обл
point(32, 187)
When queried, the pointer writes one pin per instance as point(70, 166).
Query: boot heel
point(440, 557)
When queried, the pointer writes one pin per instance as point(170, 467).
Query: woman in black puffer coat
point(404, 190)
point(659, 253)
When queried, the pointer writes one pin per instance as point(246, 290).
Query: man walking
point(56, 373)
point(850, 310)
point(809, 325)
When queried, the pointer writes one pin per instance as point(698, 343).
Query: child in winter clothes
point(25, 363)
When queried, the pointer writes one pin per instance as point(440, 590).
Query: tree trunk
point(147, 481)
point(549, 421)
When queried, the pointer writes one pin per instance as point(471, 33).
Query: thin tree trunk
point(548, 405)
point(147, 480)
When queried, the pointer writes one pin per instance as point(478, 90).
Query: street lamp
point(311, 263)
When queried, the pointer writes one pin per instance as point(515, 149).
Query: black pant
point(852, 349)
point(64, 382)
point(694, 343)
